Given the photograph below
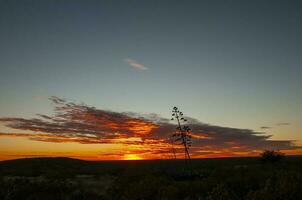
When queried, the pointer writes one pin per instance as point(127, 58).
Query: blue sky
point(235, 63)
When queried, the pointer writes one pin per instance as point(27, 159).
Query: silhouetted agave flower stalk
point(182, 134)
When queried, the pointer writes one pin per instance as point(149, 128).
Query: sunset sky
point(97, 80)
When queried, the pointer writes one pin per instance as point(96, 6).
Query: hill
point(69, 167)
point(57, 166)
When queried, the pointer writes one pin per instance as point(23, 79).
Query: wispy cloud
point(277, 124)
point(283, 124)
point(135, 65)
point(265, 127)
point(146, 134)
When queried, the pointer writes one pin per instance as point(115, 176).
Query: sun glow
point(132, 157)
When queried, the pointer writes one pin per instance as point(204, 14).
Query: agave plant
point(182, 134)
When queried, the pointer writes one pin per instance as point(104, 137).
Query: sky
point(233, 68)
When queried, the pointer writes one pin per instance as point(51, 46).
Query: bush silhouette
point(271, 156)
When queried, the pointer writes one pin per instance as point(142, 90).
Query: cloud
point(135, 65)
point(283, 124)
point(277, 124)
point(265, 127)
point(144, 134)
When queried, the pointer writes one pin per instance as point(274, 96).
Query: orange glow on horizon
point(131, 157)
point(14, 146)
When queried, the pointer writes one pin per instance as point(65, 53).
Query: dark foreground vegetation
point(204, 179)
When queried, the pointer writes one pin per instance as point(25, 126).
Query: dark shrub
point(271, 156)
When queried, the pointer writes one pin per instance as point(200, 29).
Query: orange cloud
point(145, 136)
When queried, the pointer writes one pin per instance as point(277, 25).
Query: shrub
point(271, 156)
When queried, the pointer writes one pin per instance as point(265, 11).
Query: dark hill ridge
point(54, 166)
point(41, 160)
point(68, 167)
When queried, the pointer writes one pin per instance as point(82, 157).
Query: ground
point(225, 178)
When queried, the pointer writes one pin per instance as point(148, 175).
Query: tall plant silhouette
point(182, 134)
point(172, 146)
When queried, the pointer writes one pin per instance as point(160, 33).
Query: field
point(223, 178)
